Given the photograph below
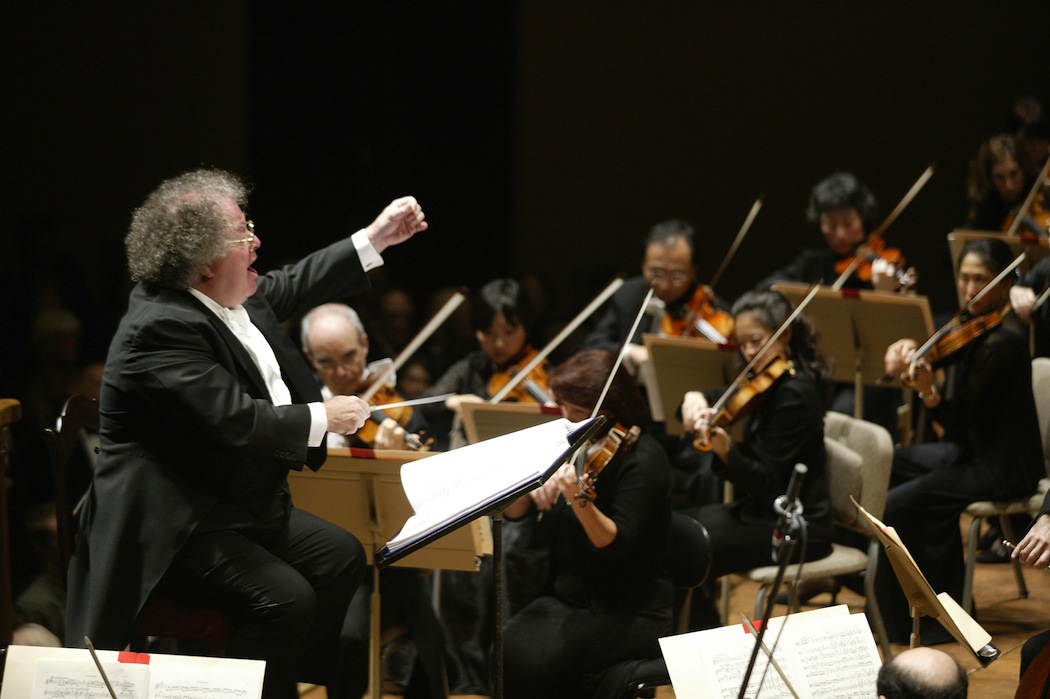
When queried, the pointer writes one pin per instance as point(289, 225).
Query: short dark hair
point(994, 253)
point(903, 682)
point(504, 296)
point(667, 232)
point(843, 190)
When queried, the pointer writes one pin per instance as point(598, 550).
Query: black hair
point(843, 190)
point(504, 296)
point(994, 253)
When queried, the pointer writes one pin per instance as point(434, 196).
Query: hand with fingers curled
point(1034, 548)
point(346, 414)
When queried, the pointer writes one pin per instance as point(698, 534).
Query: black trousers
point(287, 589)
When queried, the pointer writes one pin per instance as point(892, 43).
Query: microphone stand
point(785, 536)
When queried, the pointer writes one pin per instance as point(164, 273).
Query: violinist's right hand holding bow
point(1022, 299)
point(696, 417)
point(898, 361)
point(1034, 548)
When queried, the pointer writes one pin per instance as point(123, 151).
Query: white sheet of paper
point(825, 653)
point(212, 683)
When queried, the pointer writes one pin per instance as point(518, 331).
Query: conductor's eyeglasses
point(250, 226)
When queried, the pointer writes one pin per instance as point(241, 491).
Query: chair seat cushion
point(841, 561)
point(990, 508)
point(168, 618)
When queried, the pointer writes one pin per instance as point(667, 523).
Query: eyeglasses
point(676, 276)
point(330, 366)
point(251, 234)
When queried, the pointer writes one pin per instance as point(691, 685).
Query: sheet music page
point(831, 654)
point(203, 683)
point(69, 679)
point(446, 486)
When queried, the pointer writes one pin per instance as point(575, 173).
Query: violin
point(745, 395)
point(402, 415)
point(617, 438)
point(533, 389)
point(956, 336)
point(701, 318)
point(875, 249)
point(1034, 224)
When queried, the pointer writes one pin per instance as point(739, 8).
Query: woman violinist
point(608, 595)
point(786, 428)
point(334, 341)
point(502, 319)
point(991, 447)
point(1000, 176)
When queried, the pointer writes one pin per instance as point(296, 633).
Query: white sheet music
point(65, 679)
point(830, 654)
point(444, 487)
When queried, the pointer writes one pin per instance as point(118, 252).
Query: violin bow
point(925, 348)
point(728, 393)
point(751, 215)
point(901, 205)
point(433, 324)
point(1027, 203)
point(622, 352)
point(557, 340)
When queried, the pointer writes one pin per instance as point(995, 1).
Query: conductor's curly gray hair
point(181, 227)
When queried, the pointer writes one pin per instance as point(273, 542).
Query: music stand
point(856, 327)
point(925, 602)
point(483, 421)
point(685, 364)
point(360, 490)
point(1035, 249)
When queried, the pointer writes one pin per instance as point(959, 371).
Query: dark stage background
point(545, 136)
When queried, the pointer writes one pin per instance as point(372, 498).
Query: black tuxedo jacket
point(188, 432)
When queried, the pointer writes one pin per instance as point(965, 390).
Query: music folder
point(453, 488)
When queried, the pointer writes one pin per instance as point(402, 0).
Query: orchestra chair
point(860, 458)
point(203, 631)
point(1028, 504)
point(688, 560)
point(10, 413)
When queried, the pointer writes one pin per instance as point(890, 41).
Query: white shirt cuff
point(370, 259)
point(318, 424)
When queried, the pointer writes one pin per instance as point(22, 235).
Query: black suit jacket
point(188, 431)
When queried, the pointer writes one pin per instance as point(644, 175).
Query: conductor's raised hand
point(399, 221)
point(346, 414)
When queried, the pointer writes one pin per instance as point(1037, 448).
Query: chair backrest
point(78, 413)
point(688, 556)
point(875, 447)
point(10, 413)
point(1041, 391)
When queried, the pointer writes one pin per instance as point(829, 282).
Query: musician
point(205, 406)
point(608, 595)
point(336, 345)
point(999, 179)
point(334, 341)
point(669, 268)
point(845, 212)
point(922, 673)
point(785, 429)
point(991, 448)
point(502, 319)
